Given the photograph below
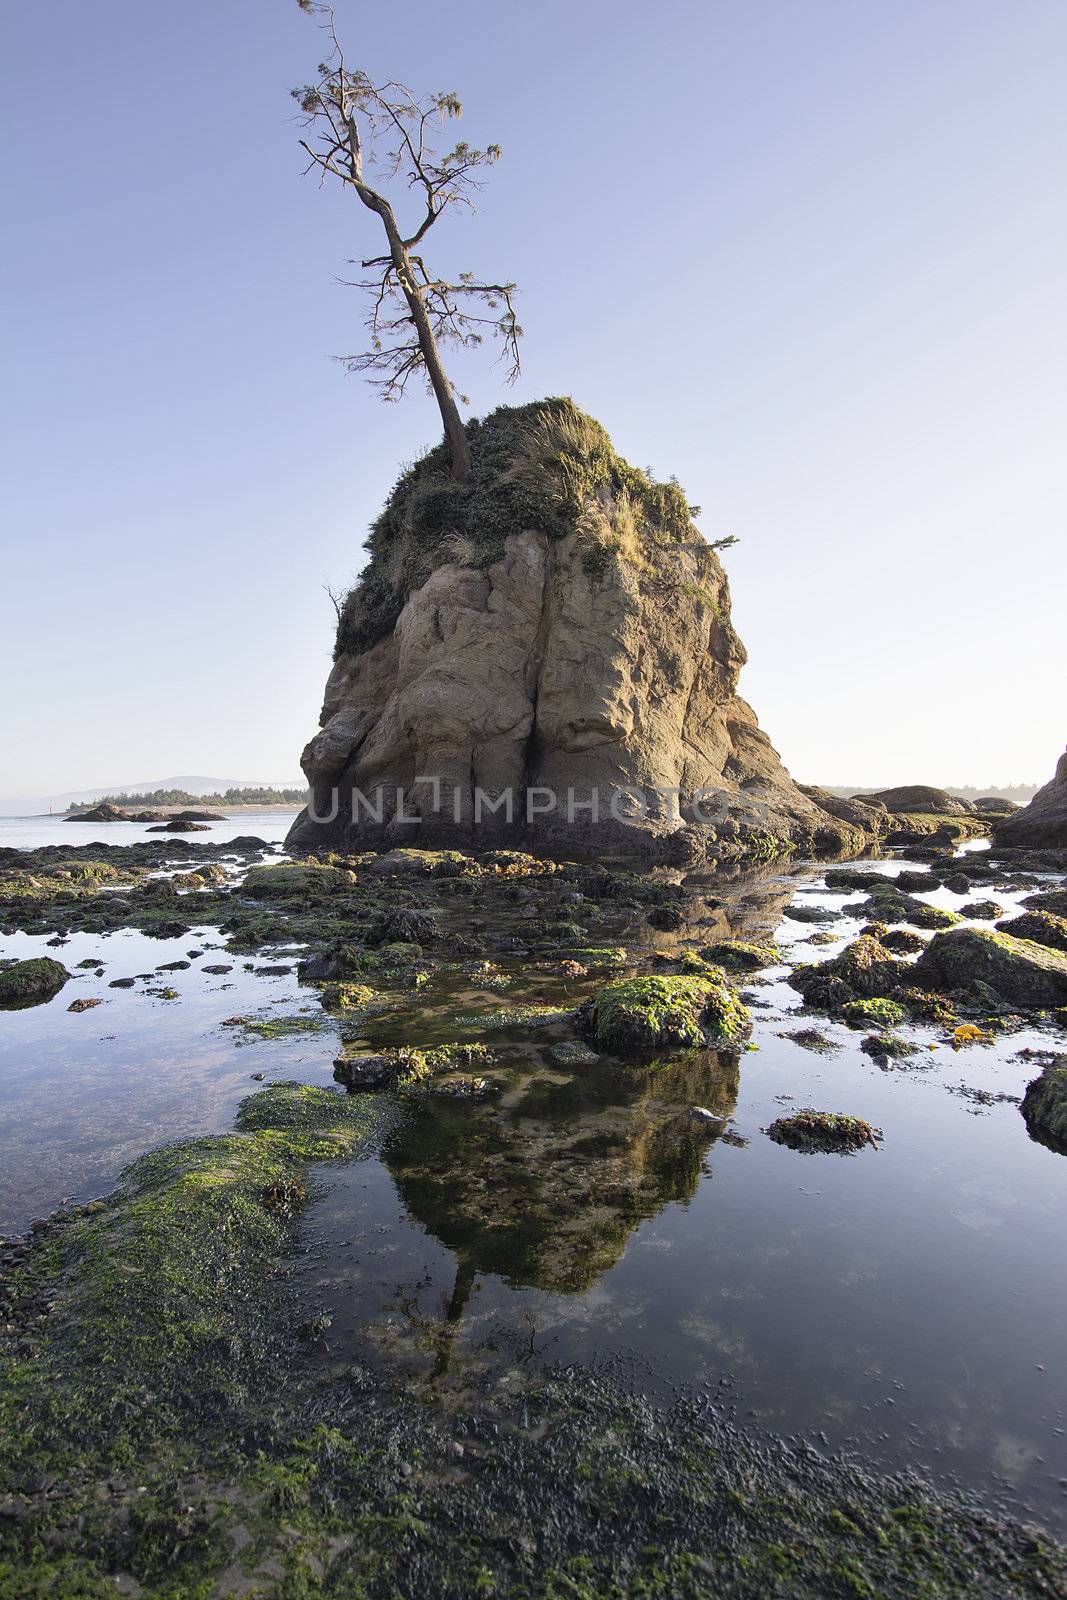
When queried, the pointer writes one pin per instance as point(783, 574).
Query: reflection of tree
point(545, 1189)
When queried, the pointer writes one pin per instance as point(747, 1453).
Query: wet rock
point(903, 941)
point(982, 910)
point(865, 970)
point(369, 1072)
point(122, 983)
point(1044, 820)
point(1042, 927)
point(921, 799)
point(572, 1054)
point(217, 969)
point(828, 1131)
point(873, 1014)
point(803, 913)
point(811, 1039)
point(1024, 973)
point(1044, 1106)
point(886, 1047)
point(30, 983)
point(100, 813)
point(736, 956)
point(85, 1004)
point(668, 1012)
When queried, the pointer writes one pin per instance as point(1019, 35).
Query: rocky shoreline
point(164, 1411)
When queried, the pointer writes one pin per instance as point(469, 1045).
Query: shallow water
point(30, 833)
point(909, 1300)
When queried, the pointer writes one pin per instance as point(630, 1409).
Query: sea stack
point(544, 657)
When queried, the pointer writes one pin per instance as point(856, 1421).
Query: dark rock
point(1044, 820)
point(920, 798)
point(1023, 973)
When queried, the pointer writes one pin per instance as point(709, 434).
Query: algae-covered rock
point(865, 970)
point(873, 1013)
point(290, 880)
point(1042, 927)
point(829, 1131)
point(736, 956)
point(670, 1012)
point(1044, 1105)
point(1021, 972)
point(30, 983)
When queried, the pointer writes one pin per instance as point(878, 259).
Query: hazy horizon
point(811, 260)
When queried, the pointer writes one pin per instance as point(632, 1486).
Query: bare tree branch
point(354, 128)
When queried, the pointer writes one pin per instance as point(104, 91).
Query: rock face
point(1044, 820)
point(1021, 972)
point(554, 638)
point(921, 798)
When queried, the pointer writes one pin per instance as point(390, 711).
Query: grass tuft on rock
point(544, 466)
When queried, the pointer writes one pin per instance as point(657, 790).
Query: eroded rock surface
point(1044, 820)
point(580, 648)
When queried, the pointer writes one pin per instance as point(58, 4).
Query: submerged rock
point(669, 1012)
point(1020, 971)
point(30, 983)
point(557, 631)
point(1044, 1105)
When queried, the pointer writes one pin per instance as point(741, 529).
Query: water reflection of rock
point(545, 1188)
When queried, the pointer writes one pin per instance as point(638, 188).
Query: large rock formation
point(1044, 820)
point(552, 639)
point(921, 799)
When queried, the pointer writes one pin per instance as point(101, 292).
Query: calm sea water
point(909, 1301)
point(30, 833)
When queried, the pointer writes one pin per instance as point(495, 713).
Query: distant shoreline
point(172, 811)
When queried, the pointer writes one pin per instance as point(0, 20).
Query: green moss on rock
point(1044, 1105)
point(737, 956)
point(671, 1012)
point(873, 1014)
point(29, 983)
point(1018, 970)
point(829, 1131)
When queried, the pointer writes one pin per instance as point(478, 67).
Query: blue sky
point(810, 257)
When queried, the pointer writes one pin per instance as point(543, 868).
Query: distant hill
point(236, 795)
point(190, 787)
point(1019, 792)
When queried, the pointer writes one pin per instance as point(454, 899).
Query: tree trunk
point(455, 434)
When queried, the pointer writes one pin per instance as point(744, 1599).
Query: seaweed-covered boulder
point(288, 880)
point(874, 1013)
point(865, 970)
point(1044, 1105)
point(1042, 927)
point(30, 983)
point(921, 799)
point(1053, 901)
point(664, 1013)
point(1021, 972)
point(889, 904)
point(556, 631)
point(828, 1131)
point(1044, 820)
point(737, 956)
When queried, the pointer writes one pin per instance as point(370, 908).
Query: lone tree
point(355, 127)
